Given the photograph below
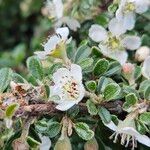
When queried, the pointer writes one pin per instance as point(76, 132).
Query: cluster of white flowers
point(114, 42)
point(67, 81)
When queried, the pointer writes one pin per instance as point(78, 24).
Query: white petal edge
point(116, 27)
point(111, 126)
point(76, 72)
point(46, 143)
point(129, 21)
point(51, 43)
point(41, 54)
point(58, 8)
point(72, 23)
point(141, 138)
point(63, 32)
point(146, 68)
point(65, 105)
point(97, 33)
point(120, 56)
point(142, 6)
point(131, 42)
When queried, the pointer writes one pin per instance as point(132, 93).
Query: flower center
point(70, 88)
point(129, 7)
point(113, 43)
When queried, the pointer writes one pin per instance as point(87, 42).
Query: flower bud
point(142, 53)
point(91, 145)
point(128, 68)
point(20, 144)
point(128, 71)
point(63, 144)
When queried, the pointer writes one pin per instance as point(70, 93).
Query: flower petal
point(97, 33)
point(129, 21)
point(61, 75)
point(120, 56)
point(76, 72)
point(142, 6)
point(41, 54)
point(58, 8)
point(72, 23)
point(131, 42)
point(65, 105)
point(46, 143)
point(116, 27)
point(63, 32)
point(146, 68)
point(51, 43)
point(111, 126)
point(141, 138)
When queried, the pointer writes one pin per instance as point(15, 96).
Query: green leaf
point(111, 91)
point(112, 8)
point(85, 63)
point(5, 77)
point(18, 78)
point(96, 51)
point(10, 110)
point(144, 85)
point(82, 129)
point(82, 52)
point(141, 127)
point(102, 19)
point(101, 67)
point(114, 68)
point(104, 115)
point(35, 67)
point(32, 142)
point(147, 93)
point(41, 126)
point(145, 118)
point(131, 99)
point(91, 85)
point(53, 129)
point(73, 111)
point(137, 72)
point(91, 107)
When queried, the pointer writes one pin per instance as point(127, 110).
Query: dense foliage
point(86, 87)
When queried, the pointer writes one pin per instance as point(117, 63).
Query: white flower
point(142, 53)
point(146, 68)
point(128, 133)
point(68, 86)
point(56, 40)
point(56, 10)
point(113, 44)
point(128, 9)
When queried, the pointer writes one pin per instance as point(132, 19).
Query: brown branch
point(114, 107)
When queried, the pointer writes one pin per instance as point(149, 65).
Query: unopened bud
point(142, 53)
point(63, 144)
point(91, 145)
point(20, 144)
point(128, 68)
